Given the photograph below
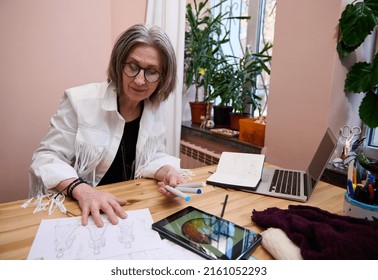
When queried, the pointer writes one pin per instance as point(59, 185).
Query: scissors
point(349, 133)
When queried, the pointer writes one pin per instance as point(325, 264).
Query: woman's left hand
point(167, 175)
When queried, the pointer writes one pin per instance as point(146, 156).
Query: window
point(253, 34)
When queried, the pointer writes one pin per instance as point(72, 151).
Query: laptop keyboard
point(286, 182)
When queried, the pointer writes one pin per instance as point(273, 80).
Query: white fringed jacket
point(84, 137)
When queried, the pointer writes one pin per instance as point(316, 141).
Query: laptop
point(298, 185)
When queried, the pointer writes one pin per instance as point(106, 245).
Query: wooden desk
point(18, 226)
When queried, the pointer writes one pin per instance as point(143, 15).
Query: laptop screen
point(320, 159)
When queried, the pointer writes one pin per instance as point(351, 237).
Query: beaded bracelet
point(73, 185)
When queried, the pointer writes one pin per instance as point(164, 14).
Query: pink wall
point(126, 13)
point(307, 81)
point(46, 47)
point(50, 45)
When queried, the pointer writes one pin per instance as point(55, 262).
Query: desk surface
point(18, 226)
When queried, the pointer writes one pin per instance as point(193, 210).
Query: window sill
point(205, 138)
point(218, 143)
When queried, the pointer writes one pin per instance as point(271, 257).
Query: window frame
point(255, 39)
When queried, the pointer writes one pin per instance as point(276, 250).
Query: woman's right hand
point(94, 202)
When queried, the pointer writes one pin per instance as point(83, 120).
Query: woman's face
point(149, 61)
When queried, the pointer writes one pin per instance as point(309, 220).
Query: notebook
point(298, 185)
point(238, 171)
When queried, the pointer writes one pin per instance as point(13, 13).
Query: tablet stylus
point(224, 205)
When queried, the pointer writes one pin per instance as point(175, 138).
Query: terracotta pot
point(199, 109)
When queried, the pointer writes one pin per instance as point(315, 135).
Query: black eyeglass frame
point(145, 70)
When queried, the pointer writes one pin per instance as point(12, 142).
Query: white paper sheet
point(168, 251)
point(131, 238)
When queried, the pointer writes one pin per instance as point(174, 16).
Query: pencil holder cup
point(356, 209)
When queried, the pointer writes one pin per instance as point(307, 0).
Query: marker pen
point(192, 185)
point(177, 192)
point(350, 188)
point(189, 190)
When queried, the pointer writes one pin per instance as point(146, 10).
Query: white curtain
point(170, 16)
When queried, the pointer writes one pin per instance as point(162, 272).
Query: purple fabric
point(323, 235)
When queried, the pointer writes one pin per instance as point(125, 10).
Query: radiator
point(193, 156)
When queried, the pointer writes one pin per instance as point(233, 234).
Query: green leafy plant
point(201, 45)
point(223, 82)
point(251, 65)
point(235, 83)
point(203, 40)
point(357, 21)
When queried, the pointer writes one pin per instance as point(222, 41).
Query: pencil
point(224, 205)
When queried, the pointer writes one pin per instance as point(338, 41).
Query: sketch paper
point(168, 251)
point(66, 238)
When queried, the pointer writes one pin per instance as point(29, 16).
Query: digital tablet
point(208, 235)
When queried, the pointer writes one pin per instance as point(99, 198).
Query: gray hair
point(151, 36)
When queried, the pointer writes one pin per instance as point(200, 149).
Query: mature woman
point(113, 131)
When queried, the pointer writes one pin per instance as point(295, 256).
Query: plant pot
point(234, 120)
point(222, 116)
point(252, 131)
point(199, 109)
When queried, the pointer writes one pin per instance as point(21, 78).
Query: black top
point(122, 168)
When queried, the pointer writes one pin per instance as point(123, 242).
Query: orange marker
point(371, 192)
point(354, 176)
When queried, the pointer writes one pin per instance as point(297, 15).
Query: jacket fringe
point(151, 147)
point(87, 158)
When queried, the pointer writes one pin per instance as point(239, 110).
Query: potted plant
point(234, 81)
point(250, 66)
point(223, 83)
point(203, 48)
point(357, 21)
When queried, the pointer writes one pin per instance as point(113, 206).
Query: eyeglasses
point(132, 70)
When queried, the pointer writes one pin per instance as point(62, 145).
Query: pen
point(177, 192)
point(350, 188)
point(192, 185)
point(354, 181)
point(189, 190)
point(224, 205)
point(371, 192)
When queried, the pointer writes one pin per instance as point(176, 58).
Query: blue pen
point(350, 188)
